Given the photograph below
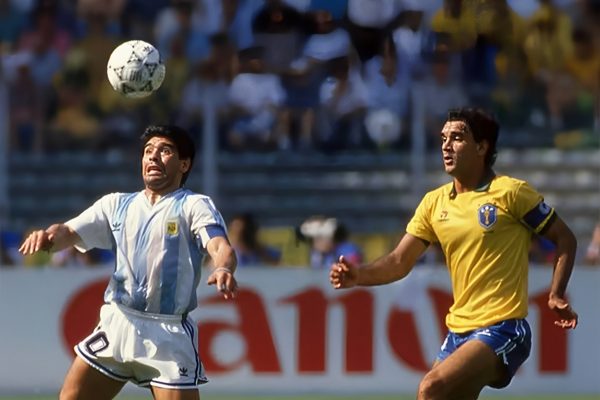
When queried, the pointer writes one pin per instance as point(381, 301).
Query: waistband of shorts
point(467, 333)
point(147, 315)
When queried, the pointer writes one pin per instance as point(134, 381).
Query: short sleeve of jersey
point(93, 226)
point(207, 221)
point(420, 224)
point(529, 207)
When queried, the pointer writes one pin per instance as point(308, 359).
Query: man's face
point(462, 156)
point(162, 169)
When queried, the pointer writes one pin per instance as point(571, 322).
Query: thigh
point(464, 373)
point(175, 394)
point(85, 382)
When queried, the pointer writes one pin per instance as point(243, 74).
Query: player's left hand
point(224, 280)
point(568, 317)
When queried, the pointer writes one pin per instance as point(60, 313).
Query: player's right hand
point(36, 241)
point(343, 274)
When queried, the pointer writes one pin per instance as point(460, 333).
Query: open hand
point(36, 241)
point(225, 282)
point(568, 318)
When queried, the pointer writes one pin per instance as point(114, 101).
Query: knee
point(431, 387)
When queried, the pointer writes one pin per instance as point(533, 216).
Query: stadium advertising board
point(289, 332)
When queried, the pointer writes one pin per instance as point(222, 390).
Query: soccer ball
point(135, 69)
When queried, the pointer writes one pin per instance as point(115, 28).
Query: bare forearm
point(384, 270)
point(563, 265)
point(223, 255)
point(393, 266)
point(61, 237)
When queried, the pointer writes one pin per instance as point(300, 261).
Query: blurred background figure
point(592, 254)
point(71, 257)
point(9, 245)
point(256, 96)
point(243, 230)
point(328, 239)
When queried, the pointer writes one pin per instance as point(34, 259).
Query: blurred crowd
point(300, 75)
point(316, 243)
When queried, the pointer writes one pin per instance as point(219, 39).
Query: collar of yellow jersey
point(483, 186)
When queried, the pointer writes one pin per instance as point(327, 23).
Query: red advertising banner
point(288, 331)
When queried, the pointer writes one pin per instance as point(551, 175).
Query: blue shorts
point(510, 340)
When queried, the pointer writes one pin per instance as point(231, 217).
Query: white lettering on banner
point(289, 331)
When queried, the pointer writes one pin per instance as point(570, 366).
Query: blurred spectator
point(9, 245)
point(243, 232)
point(445, 89)
point(344, 100)
point(456, 19)
point(387, 81)
point(373, 13)
point(499, 23)
point(71, 257)
point(26, 107)
point(336, 8)
point(479, 70)
point(46, 36)
point(256, 97)
point(207, 88)
point(411, 38)
point(73, 127)
point(592, 254)
point(525, 8)
point(328, 240)
point(93, 51)
point(584, 63)
point(12, 23)
point(237, 20)
point(232, 17)
point(548, 44)
point(111, 10)
point(367, 23)
point(303, 79)
point(177, 19)
point(542, 251)
point(280, 30)
point(548, 41)
point(138, 15)
point(572, 102)
point(327, 39)
point(180, 71)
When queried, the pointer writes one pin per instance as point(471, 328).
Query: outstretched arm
point(57, 237)
point(223, 268)
point(566, 246)
point(389, 268)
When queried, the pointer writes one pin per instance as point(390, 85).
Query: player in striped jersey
point(159, 236)
point(484, 223)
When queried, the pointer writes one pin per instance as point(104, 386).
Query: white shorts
point(146, 349)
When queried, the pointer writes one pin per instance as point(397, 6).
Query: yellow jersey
point(485, 236)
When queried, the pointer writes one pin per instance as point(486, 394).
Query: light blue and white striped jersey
point(158, 248)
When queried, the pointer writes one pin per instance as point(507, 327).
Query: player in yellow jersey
point(484, 223)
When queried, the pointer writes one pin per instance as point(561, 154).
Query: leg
point(84, 382)
point(175, 394)
point(463, 374)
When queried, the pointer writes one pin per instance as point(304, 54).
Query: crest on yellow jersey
point(487, 214)
point(172, 228)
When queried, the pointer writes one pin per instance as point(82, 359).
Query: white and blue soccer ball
point(135, 69)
